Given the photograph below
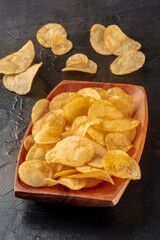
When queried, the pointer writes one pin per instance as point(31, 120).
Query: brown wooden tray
point(104, 194)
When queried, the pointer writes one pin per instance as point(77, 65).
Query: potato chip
point(72, 151)
point(34, 173)
point(119, 164)
point(130, 134)
point(117, 42)
point(99, 149)
point(61, 99)
point(39, 109)
point(46, 33)
point(19, 61)
point(102, 92)
point(125, 103)
point(77, 106)
point(89, 92)
point(96, 135)
point(76, 59)
point(29, 142)
point(97, 39)
point(61, 45)
point(77, 123)
point(21, 83)
point(114, 91)
point(91, 67)
point(127, 63)
point(104, 109)
point(81, 131)
point(96, 162)
point(117, 141)
point(86, 169)
point(64, 173)
point(92, 182)
point(38, 151)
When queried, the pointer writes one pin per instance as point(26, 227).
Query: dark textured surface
point(137, 216)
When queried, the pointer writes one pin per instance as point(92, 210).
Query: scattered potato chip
point(97, 39)
point(117, 42)
point(119, 164)
point(61, 99)
point(19, 61)
point(39, 109)
point(21, 83)
point(130, 134)
point(127, 63)
point(72, 151)
point(29, 142)
point(96, 135)
point(91, 67)
point(89, 92)
point(76, 59)
point(38, 151)
point(34, 173)
point(117, 141)
point(96, 162)
point(61, 45)
point(46, 33)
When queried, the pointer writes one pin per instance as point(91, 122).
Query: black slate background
point(137, 215)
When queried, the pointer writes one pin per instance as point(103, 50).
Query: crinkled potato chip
point(92, 182)
point(130, 134)
point(127, 63)
point(46, 33)
point(38, 151)
point(97, 39)
point(72, 151)
point(89, 92)
point(76, 59)
point(29, 142)
point(61, 45)
point(39, 109)
point(91, 67)
point(21, 83)
point(96, 135)
point(96, 162)
point(34, 173)
point(19, 61)
point(117, 141)
point(61, 99)
point(117, 42)
point(119, 164)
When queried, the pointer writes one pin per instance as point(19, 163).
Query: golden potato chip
point(96, 135)
point(99, 149)
point(61, 45)
point(72, 151)
point(34, 173)
point(118, 125)
point(114, 91)
point(19, 61)
point(76, 59)
point(46, 33)
point(61, 99)
point(74, 184)
point(119, 164)
point(117, 141)
point(64, 173)
point(130, 134)
point(29, 142)
point(81, 131)
point(54, 116)
point(102, 92)
point(92, 182)
point(77, 123)
point(117, 42)
point(96, 162)
point(89, 92)
point(91, 67)
point(127, 63)
point(77, 106)
point(39, 109)
point(104, 109)
point(38, 151)
point(86, 169)
point(97, 39)
point(21, 83)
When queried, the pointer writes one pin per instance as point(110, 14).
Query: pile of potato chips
point(19, 73)
point(80, 139)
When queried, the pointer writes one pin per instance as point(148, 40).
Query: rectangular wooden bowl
point(104, 194)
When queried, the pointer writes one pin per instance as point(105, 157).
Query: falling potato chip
point(127, 63)
point(64, 173)
point(72, 151)
point(96, 162)
point(21, 83)
point(89, 92)
point(46, 33)
point(114, 91)
point(130, 134)
point(76, 59)
point(117, 42)
point(39, 109)
point(92, 182)
point(119, 164)
point(97, 39)
point(34, 173)
point(38, 151)
point(91, 67)
point(117, 141)
point(61, 45)
point(19, 61)
point(29, 142)
point(96, 135)
point(61, 99)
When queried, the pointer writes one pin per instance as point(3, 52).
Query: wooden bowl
point(104, 194)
